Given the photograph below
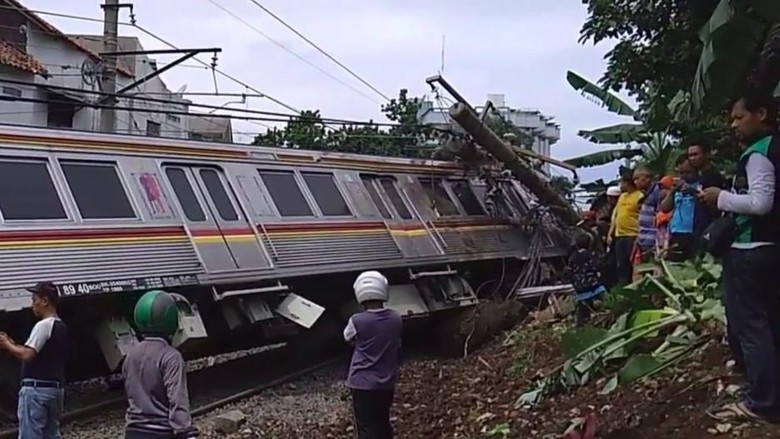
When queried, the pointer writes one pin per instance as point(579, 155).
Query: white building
point(139, 121)
point(544, 131)
point(35, 52)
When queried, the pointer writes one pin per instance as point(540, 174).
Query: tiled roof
point(13, 57)
point(51, 30)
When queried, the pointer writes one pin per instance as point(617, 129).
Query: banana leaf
point(602, 157)
point(731, 38)
point(620, 133)
point(599, 95)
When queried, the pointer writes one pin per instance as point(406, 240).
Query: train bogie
point(258, 244)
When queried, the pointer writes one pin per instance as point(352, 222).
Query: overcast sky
point(520, 48)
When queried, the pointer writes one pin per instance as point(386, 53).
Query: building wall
point(20, 113)
point(135, 122)
point(543, 130)
point(64, 62)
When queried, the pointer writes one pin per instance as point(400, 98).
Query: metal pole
point(108, 84)
point(483, 135)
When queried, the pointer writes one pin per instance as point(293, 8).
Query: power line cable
point(160, 39)
point(290, 51)
point(285, 118)
point(319, 49)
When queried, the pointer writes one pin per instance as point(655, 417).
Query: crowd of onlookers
point(698, 211)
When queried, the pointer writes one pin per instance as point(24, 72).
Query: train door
point(223, 235)
point(413, 236)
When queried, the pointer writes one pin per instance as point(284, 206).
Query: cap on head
point(156, 313)
point(371, 285)
point(47, 290)
point(613, 191)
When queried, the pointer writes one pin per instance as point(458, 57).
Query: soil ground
point(474, 397)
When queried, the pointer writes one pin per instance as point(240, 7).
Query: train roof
point(103, 143)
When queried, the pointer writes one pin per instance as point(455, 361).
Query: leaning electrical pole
point(108, 84)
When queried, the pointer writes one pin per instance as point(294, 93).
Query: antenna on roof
point(441, 68)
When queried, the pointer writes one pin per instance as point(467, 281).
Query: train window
point(326, 194)
point(287, 196)
point(388, 184)
point(97, 190)
point(368, 182)
point(27, 192)
point(218, 194)
point(184, 193)
point(514, 197)
point(467, 197)
point(440, 199)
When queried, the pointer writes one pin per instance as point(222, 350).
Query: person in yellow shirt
point(624, 228)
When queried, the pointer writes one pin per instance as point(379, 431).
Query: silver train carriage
point(258, 244)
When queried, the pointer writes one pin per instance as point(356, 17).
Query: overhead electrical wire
point(319, 49)
point(235, 80)
point(269, 116)
point(290, 51)
point(162, 40)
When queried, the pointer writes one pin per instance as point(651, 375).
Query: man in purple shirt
point(373, 372)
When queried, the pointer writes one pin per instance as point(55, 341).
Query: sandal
point(733, 412)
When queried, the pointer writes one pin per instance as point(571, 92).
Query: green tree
point(406, 138)
point(657, 55)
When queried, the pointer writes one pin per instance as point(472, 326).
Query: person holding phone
point(681, 202)
point(751, 292)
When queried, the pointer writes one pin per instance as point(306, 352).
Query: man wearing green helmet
point(155, 378)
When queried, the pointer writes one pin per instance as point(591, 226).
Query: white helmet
point(371, 285)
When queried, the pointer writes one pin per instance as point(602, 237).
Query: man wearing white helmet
point(373, 372)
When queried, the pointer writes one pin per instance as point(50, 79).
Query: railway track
point(213, 388)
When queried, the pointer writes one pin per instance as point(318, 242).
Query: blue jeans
point(752, 299)
point(39, 412)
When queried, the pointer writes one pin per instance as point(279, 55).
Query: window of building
point(172, 118)
point(218, 194)
point(369, 184)
point(185, 194)
point(60, 111)
point(27, 191)
point(440, 199)
point(285, 193)
point(388, 184)
point(97, 190)
point(467, 198)
point(12, 91)
point(152, 128)
point(326, 194)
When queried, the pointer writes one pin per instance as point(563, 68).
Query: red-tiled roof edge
point(21, 60)
point(53, 30)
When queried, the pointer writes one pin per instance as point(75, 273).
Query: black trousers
point(682, 247)
point(372, 413)
point(752, 299)
point(623, 246)
point(144, 434)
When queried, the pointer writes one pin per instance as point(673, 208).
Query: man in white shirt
point(43, 356)
point(751, 292)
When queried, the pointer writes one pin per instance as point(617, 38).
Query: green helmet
point(156, 312)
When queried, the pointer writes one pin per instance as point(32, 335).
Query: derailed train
point(258, 244)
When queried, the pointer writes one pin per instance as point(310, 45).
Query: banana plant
point(656, 148)
point(741, 44)
point(691, 294)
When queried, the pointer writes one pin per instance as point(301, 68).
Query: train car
point(258, 244)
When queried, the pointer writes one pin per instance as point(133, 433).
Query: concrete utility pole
point(483, 135)
point(108, 84)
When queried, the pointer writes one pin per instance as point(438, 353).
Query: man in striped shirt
point(653, 195)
